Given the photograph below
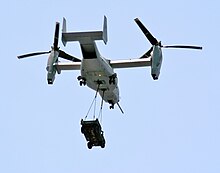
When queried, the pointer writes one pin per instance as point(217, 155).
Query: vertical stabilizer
point(64, 31)
point(105, 34)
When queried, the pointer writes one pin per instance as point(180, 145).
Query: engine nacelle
point(156, 62)
point(53, 58)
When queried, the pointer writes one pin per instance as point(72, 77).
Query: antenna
point(120, 108)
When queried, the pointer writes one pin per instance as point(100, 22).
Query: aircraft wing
point(68, 66)
point(130, 63)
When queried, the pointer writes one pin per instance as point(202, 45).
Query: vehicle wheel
point(89, 144)
point(82, 130)
point(81, 83)
point(103, 145)
point(110, 81)
point(111, 107)
point(79, 77)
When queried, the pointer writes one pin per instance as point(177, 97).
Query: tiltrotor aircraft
point(97, 72)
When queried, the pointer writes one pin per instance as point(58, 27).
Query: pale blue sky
point(169, 126)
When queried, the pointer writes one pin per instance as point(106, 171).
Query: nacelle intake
point(156, 62)
point(53, 58)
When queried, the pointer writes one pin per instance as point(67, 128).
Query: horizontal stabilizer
point(84, 37)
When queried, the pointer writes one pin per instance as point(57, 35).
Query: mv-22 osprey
point(97, 72)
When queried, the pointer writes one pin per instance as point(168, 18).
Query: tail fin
point(64, 31)
point(105, 34)
point(84, 37)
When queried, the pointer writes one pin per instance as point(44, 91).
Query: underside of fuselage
point(98, 75)
point(96, 71)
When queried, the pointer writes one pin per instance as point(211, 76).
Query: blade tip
point(20, 56)
point(136, 20)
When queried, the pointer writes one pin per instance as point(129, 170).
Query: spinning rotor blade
point(32, 54)
point(147, 33)
point(184, 47)
point(66, 56)
point(56, 36)
point(154, 41)
point(55, 48)
point(62, 54)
